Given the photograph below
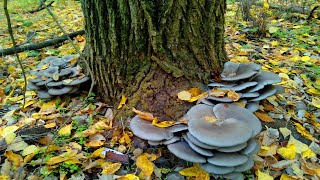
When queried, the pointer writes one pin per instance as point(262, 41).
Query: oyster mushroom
point(228, 159)
point(145, 130)
point(60, 91)
point(183, 151)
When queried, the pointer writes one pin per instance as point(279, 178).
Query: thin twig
point(5, 7)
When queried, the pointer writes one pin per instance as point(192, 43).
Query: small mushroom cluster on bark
point(220, 134)
point(56, 76)
point(248, 81)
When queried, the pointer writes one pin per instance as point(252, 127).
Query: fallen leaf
point(145, 165)
point(97, 153)
point(233, 95)
point(111, 169)
point(264, 117)
point(162, 124)
point(210, 119)
point(16, 159)
point(316, 102)
point(184, 95)
point(122, 102)
point(263, 175)
point(144, 115)
point(128, 177)
point(66, 130)
point(288, 152)
point(304, 132)
point(195, 172)
point(30, 149)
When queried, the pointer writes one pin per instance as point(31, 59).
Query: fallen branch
point(41, 7)
point(40, 45)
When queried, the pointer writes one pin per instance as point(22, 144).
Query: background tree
point(149, 50)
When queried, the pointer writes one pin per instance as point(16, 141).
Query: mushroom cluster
point(248, 81)
point(224, 148)
point(220, 134)
point(56, 76)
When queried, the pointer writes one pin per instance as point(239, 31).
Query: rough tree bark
point(148, 50)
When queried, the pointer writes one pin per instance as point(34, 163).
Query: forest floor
point(282, 42)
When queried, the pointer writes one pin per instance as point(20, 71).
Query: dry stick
point(5, 7)
point(88, 69)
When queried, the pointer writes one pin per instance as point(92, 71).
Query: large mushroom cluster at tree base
point(250, 83)
point(56, 76)
point(224, 147)
point(220, 134)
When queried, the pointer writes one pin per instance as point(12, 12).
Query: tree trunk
point(148, 50)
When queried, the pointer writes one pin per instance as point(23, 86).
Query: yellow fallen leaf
point(264, 117)
point(210, 119)
point(144, 115)
point(184, 95)
point(313, 91)
point(288, 152)
point(8, 130)
point(304, 132)
point(162, 124)
point(145, 165)
point(273, 29)
point(129, 177)
point(308, 154)
point(196, 98)
point(10, 137)
point(263, 176)
point(50, 125)
point(195, 172)
point(273, 62)
point(233, 95)
point(66, 130)
point(29, 157)
point(287, 177)
point(16, 159)
point(266, 4)
point(194, 92)
point(49, 106)
point(111, 169)
point(97, 153)
point(122, 102)
point(30, 149)
point(125, 138)
point(316, 102)
point(305, 58)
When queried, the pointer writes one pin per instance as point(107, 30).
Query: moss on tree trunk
point(148, 50)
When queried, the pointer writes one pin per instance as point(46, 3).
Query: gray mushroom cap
point(60, 91)
point(199, 143)
point(145, 130)
point(207, 102)
point(233, 148)
point(49, 59)
point(221, 84)
point(213, 169)
point(172, 140)
point(227, 159)
point(245, 70)
point(252, 106)
point(245, 167)
point(64, 72)
point(202, 151)
point(250, 95)
point(42, 94)
point(55, 83)
point(263, 79)
point(178, 128)
point(231, 132)
point(226, 111)
point(74, 70)
point(267, 91)
point(234, 176)
point(41, 83)
point(229, 69)
point(223, 99)
point(57, 62)
point(240, 86)
point(155, 143)
point(77, 81)
point(68, 58)
point(253, 144)
point(32, 86)
point(183, 151)
point(51, 71)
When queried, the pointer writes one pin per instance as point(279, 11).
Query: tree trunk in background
point(149, 50)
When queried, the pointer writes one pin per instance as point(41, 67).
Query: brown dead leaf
point(264, 117)
point(217, 93)
point(16, 159)
point(144, 115)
